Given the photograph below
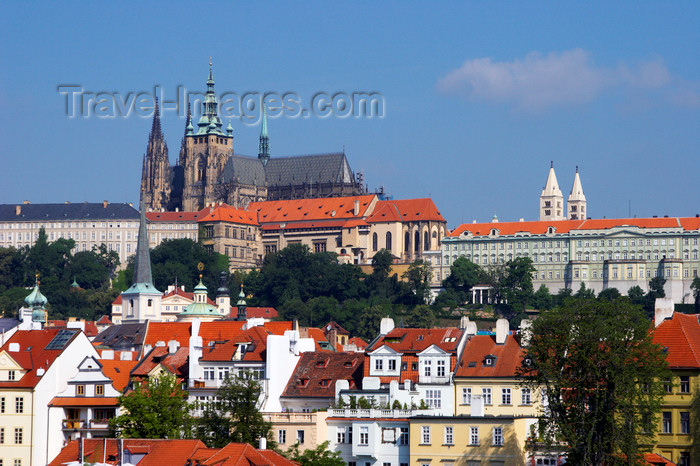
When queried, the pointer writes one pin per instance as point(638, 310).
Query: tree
point(319, 456)
point(235, 417)
point(420, 317)
point(610, 294)
point(601, 374)
point(584, 293)
point(418, 277)
point(542, 299)
point(636, 295)
point(157, 408)
point(464, 274)
point(695, 286)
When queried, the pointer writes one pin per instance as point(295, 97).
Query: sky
point(478, 98)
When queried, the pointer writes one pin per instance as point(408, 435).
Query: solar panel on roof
point(61, 339)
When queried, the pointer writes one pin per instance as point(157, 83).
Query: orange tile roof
point(406, 210)
point(32, 354)
point(176, 363)
point(239, 454)
point(176, 216)
point(118, 371)
point(690, 223)
point(508, 357)
point(296, 210)
point(90, 327)
point(278, 327)
point(654, 459)
point(224, 350)
point(68, 401)
point(104, 320)
point(166, 331)
point(226, 213)
point(317, 371)
point(511, 228)
point(258, 312)
point(219, 329)
point(159, 452)
point(359, 342)
point(681, 335)
point(606, 223)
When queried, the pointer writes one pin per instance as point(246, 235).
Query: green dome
point(200, 306)
point(35, 298)
point(38, 316)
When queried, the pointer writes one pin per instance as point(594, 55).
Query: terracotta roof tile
point(316, 373)
point(176, 363)
point(508, 357)
point(226, 213)
point(359, 342)
point(681, 335)
point(258, 312)
point(654, 459)
point(224, 350)
point(68, 401)
point(297, 210)
point(118, 371)
point(511, 228)
point(158, 452)
point(166, 331)
point(406, 210)
point(32, 354)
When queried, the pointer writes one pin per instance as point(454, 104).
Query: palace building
point(208, 171)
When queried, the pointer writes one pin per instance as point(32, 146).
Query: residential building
point(173, 301)
point(89, 224)
point(679, 335)
point(603, 253)
point(234, 233)
point(34, 366)
point(305, 430)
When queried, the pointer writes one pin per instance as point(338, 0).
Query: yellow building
point(680, 335)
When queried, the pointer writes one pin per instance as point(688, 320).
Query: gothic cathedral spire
point(576, 204)
point(551, 199)
point(155, 176)
point(264, 145)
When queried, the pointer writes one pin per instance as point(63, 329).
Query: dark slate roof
point(308, 168)
point(81, 211)
point(121, 336)
point(317, 372)
point(8, 323)
point(243, 169)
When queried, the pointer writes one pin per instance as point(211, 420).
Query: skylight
point(61, 339)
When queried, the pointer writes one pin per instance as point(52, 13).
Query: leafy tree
point(420, 317)
point(516, 286)
point(371, 318)
point(656, 287)
point(418, 277)
point(381, 265)
point(157, 408)
point(235, 416)
point(562, 295)
point(610, 294)
point(584, 293)
point(695, 286)
point(319, 456)
point(464, 274)
point(542, 299)
point(601, 374)
point(636, 295)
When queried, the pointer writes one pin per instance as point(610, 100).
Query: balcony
point(290, 418)
point(378, 413)
point(81, 424)
point(73, 424)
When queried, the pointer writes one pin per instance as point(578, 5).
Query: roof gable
point(384, 350)
point(433, 350)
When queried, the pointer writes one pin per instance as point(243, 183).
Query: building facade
point(89, 224)
point(234, 233)
point(602, 253)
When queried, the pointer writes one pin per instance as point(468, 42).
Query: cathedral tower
point(576, 205)
point(155, 174)
point(264, 145)
point(551, 199)
point(205, 152)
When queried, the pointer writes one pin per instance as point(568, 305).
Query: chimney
point(173, 346)
point(120, 451)
point(663, 309)
point(160, 344)
point(525, 332)
point(386, 325)
point(502, 328)
point(107, 354)
point(14, 348)
point(463, 322)
point(81, 449)
point(125, 356)
point(105, 204)
point(263, 443)
point(18, 209)
point(470, 329)
point(356, 209)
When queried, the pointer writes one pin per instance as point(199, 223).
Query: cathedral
point(208, 171)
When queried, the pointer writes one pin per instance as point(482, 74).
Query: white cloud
point(539, 81)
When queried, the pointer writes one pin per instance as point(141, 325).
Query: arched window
point(388, 241)
point(426, 241)
point(375, 241)
point(416, 242)
point(407, 242)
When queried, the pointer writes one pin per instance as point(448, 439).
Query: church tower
point(155, 174)
point(576, 204)
point(264, 145)
point(141, 301)
point(206, 150)
point(551, 199)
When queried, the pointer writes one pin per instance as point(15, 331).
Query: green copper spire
point(210, 123)
point(264, 145)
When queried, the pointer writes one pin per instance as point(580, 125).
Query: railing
point(73, 423)
point(81, 424)
point(289, 417)
point(376, 413)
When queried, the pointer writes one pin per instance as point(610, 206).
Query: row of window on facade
point(22, 226)
point(474, 437)
point(506, 396)
point(18, 437)
point(222, 373)
point(549, 244)
point(19, 405)
point(406, 242)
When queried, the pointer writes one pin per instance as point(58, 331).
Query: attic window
point(303, 382)
point(471, 364)
point(420, 337)
point(450, 339)
point(489, 361)
point(325, 382)
point(322, 363)
point(347, 364)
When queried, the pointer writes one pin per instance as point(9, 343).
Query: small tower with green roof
point(201, 308)
point(37, 303)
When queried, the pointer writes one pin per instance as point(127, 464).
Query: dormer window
point(325, 382)
point(303, 382)
point(490, 360)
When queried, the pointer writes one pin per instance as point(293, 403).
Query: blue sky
point(479, 96)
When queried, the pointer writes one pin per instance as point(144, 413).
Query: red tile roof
point(329, 208)
point(511, 228)
point(681, 335)
point(176, 363)
point(654, 459)
point(690, 223)
point(226, 213)
point(224, 350)
point(317, 371)
point(166, 331)
point(104, 320)
point(159, 452)
point(359, 342)
point(176, 216)
point(606, 223)
point(219, 329)
point(508, 357)
point(118, 371)
point(406, 210)
point(68, 401)
point(258, 312)
point(239, 454)
point(278, 327)
point(32, 354)
point(90, 327)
